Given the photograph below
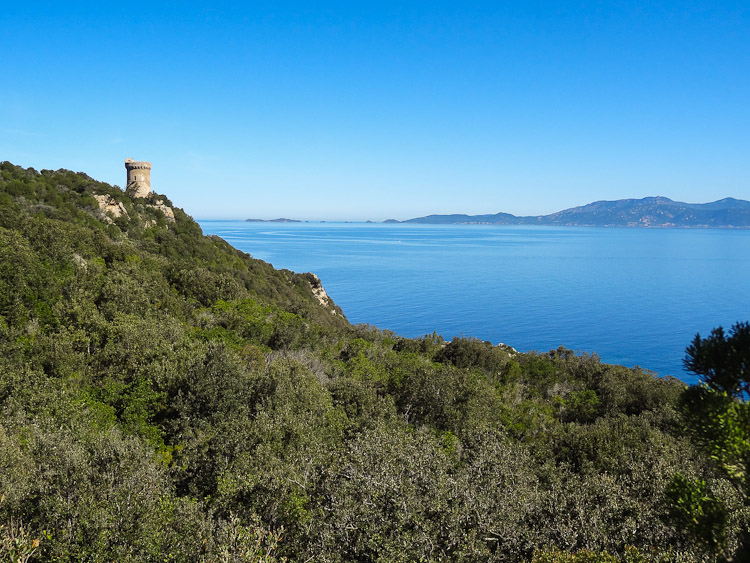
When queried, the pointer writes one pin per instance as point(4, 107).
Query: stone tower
point(138, 183)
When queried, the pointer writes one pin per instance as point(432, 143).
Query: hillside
point(646, 212)
point(164, 396)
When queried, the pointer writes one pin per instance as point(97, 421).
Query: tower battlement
point(130, 163)
point(138, 183)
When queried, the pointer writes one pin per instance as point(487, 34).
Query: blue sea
point(635, 297)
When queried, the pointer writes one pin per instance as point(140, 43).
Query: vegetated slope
point(645, 212)
point(165, 396)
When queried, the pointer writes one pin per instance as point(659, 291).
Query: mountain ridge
point(653, 212)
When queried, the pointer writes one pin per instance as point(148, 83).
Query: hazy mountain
point(646, 212)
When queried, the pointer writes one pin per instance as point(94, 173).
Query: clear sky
point(352, 110)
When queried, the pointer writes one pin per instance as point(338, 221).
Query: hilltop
point(164, 396)
point(646, 212)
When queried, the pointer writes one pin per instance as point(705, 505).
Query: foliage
point(631, 555)
point(723, 361)
point(248, 543)
point(704, 516)
point(17, 543)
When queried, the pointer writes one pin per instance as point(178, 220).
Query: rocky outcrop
point(113, 209)
point(164, 208)
point(319, 291)
point(110, 206)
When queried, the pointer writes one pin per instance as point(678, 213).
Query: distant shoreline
point(279, 220)
point(649, 212)
point(482, 224)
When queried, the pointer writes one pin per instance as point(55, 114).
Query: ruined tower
point(138, 183)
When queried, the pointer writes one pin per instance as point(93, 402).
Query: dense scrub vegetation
point(164, 396)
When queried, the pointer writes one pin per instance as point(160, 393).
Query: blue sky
point(373, 111)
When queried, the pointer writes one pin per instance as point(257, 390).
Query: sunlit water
point(633, 296)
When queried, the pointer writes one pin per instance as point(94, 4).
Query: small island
point(279, 220)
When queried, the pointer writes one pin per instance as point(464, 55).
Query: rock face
point(111, 207)
point(512, 351)
point(168, 212)
point(319, 292)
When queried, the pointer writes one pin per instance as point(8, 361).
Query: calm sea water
point(632, 296)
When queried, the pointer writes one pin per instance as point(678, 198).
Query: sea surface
point(635, 297)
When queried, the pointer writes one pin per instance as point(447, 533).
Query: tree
point(723, 362)
point(717, 415)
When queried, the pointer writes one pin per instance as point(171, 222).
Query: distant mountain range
point(646, 212)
